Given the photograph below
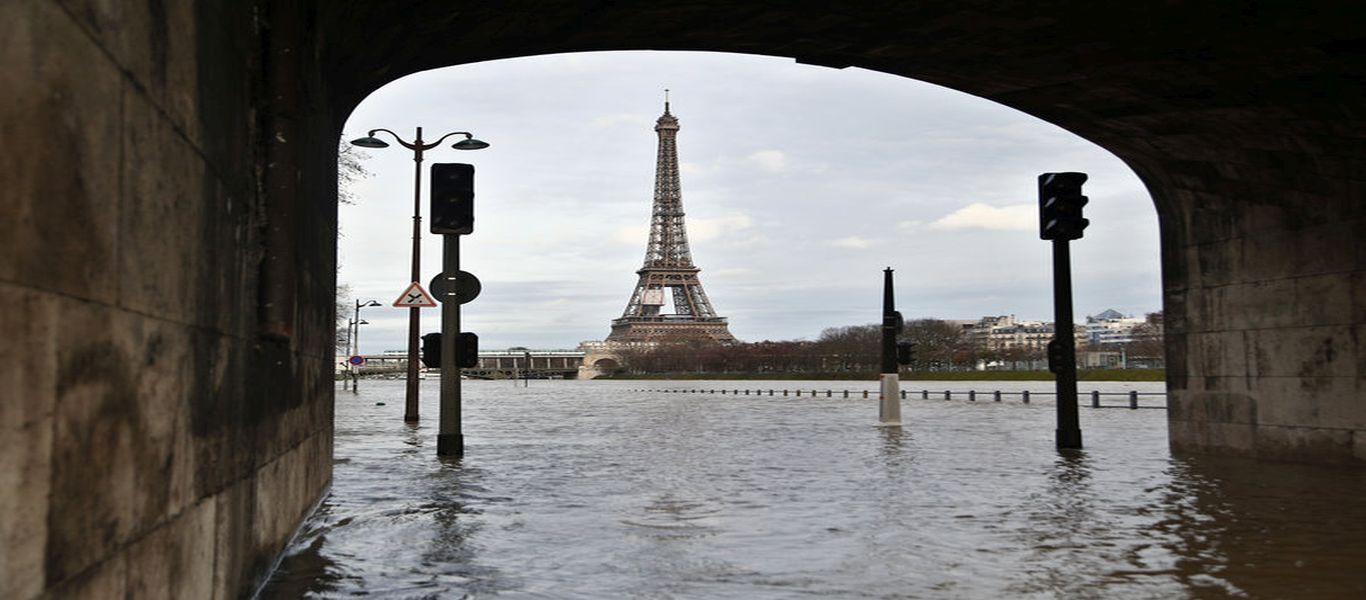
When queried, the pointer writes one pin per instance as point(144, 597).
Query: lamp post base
point(450, 444)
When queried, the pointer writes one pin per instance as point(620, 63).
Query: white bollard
point(889, 404)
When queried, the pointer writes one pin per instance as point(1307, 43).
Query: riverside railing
point(1095, 396)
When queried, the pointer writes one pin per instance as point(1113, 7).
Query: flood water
point(582, 489)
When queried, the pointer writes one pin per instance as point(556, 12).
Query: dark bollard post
point(1133, 398)
point(799, 393)
point(828, 393)
point(784, 393)
point(998, 395)
point(948, 395)
point(846, 393)
point(924, 394)
point(972, 395)
point(1095, 399)
point(1025, 396)
point(903, 394)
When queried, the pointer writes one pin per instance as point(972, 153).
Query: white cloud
point(1017, 217)
point(853, 242)
point(704, 229)
point(770, 160)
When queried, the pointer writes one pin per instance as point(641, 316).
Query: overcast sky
point(800, 183)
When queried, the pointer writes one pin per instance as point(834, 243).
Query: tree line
point(939, 346)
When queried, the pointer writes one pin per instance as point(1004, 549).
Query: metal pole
point(449, 439)
point(1068, 433)
point(346, 375)
point(889, 405)
point(355, 351)
point(414, 320)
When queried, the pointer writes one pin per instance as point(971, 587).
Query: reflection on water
point(589, 490)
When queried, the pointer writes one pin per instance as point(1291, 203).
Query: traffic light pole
point(889, 405)
point(1068, 434)
point(449, 439)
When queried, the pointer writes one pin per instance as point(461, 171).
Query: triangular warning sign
point(414, 297)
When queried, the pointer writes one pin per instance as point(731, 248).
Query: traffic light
point(431, 350)
point(467, 348)
point(1060, 203)
point(1056, 357)
point(452, 198)
point(905, 353)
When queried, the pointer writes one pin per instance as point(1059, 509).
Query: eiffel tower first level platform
point(668, 273)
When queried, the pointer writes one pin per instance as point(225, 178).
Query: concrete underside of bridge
point(169, 209)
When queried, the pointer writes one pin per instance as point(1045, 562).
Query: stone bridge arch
point(170, 230)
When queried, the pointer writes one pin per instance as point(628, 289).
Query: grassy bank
point(1083, 375)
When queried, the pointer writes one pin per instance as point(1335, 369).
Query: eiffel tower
point(668, 264)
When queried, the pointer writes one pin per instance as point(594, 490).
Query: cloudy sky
point(800, 183)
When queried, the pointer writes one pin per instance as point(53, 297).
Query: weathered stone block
point(1211, 437)
point(1257, 305)
point(164, 184)
point(1308, 352)
point(155, 43)
point(1323, 299)
point(118, 464)
point(1217, 407)
point(1305, 401)
point(176, 559)
point(60, 195)
point(28, 386)
point(1312, 444)
point(108, 579)
point(1267, 256)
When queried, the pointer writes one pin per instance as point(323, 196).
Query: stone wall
point(164, 427)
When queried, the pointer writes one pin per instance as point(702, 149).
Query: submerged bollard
point(903, 394)
point(1025, 396)
point(865, 393)
point(972, 395)
point(924, 394)
point(799, 393)
point(827, 393)
point(948, 395)
point(784, 392)
point(1133, 398)
point(1095, 399)
point(846, 393)
point(998, 395)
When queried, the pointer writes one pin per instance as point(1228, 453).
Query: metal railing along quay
point(1095, 396)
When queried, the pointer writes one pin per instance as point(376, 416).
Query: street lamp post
point(355, 342)
point(418, 147)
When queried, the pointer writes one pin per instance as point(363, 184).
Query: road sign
point(467, 286)
point(415, 297)
point(356, 360)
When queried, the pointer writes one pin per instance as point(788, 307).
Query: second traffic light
point(905, 353)
point(467, 347)
point(1060, 203)
point(452, 198)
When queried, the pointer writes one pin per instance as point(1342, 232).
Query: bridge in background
point(501, 364)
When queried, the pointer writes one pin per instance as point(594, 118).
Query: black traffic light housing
point(905, 353)
point(1060, 204)
point(1057, 356)
point(452, 198)
point(467, 346)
